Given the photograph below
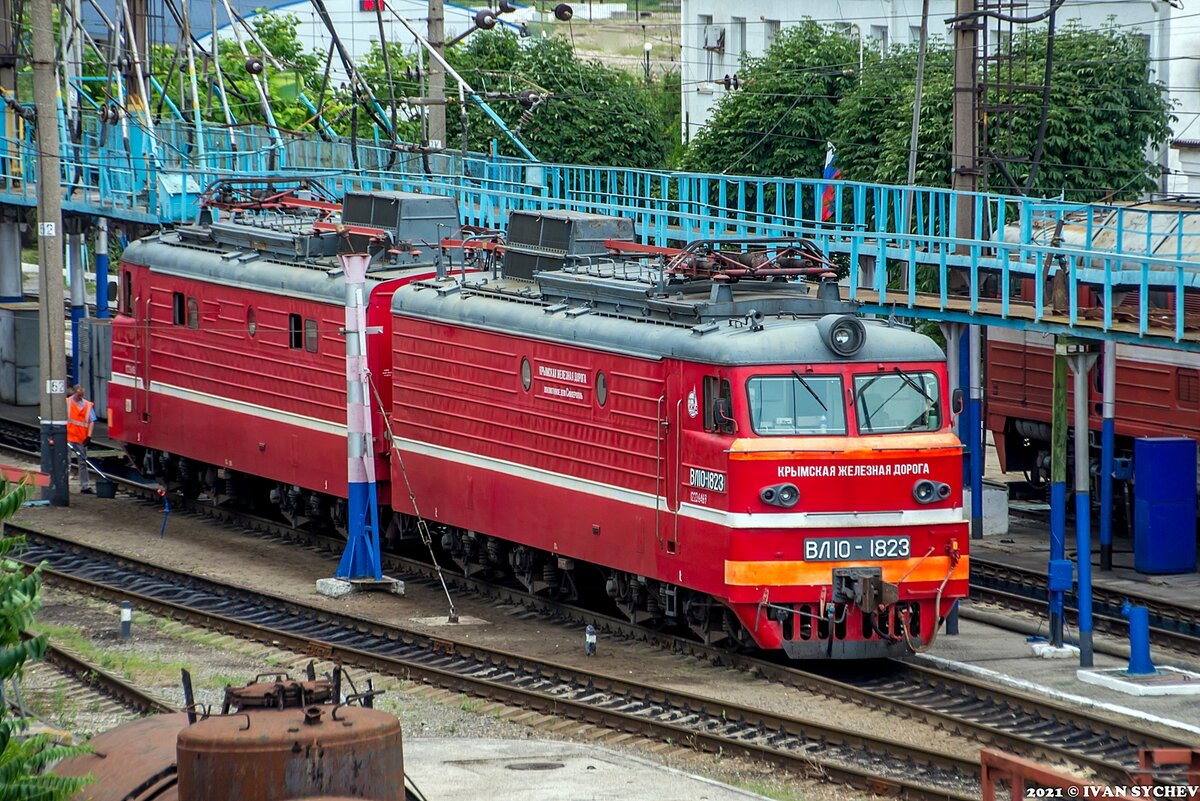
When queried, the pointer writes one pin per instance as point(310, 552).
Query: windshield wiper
point(805, 384)
point(912, 383)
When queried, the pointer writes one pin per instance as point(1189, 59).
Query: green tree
point(780, 119)
point(23, 761)
point(594, 114)
point(1103, 111)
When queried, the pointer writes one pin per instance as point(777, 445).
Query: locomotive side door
point(670, 436)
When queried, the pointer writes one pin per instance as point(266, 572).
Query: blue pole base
point(361, 559)
point(1106, 493)
point(1083, 570)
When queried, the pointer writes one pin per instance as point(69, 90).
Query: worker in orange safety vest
point(81, 419)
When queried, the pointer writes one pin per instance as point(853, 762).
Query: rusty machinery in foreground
point(275, 739)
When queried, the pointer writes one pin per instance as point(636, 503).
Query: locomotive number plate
point(837, 549)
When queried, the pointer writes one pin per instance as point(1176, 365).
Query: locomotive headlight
point(844, 334)
point(926, 491)
point(785, 495)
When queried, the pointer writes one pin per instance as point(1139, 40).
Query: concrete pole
point(1108, 411)
point(1058, 491)
point(976, 439)
point(78, 294)
point(12, 288)
point(102, 298)
point(361, 559)
point(1081, 365)
point(963, 174)
point(953, 335)
point(437, 74)
point(52, 347)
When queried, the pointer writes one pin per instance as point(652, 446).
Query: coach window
point(177, 316)
point(193, 313)
point(310, 335)
point(251, 321)
point(295, 337)
point(787, 405)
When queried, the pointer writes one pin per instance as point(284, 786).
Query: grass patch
point(145, 668)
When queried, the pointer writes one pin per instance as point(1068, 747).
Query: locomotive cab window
point(897, 401)
point(177, 313)
point(718, 406)
point(295, 336)
point(788, 405)
point(310, 336)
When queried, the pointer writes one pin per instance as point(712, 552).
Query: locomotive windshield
point(889, 403)
point(794, 404)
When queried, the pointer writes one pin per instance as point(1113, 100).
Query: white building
point(715, 34)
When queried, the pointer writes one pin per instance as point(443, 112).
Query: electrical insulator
point(254, 65)
point(507, 7)
point(485, 19)
point(528, 98)
point(563, 12)
point(731, 82)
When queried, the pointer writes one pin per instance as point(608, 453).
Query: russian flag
point(832, 173)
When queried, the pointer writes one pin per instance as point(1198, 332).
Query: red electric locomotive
point(700, 436)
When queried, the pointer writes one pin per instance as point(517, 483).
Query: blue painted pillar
point(1059, 570)
point(1108, 410)
point(361, 559)
point(1081, 364)
point(102, 298)
point(78, 296)
point(975, 433)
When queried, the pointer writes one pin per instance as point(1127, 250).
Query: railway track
point(1172, 626)
point(806, 747)
point(101, 682)
point(1018, 722)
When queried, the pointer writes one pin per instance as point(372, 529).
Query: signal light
point(926, 491)
point(785, 495)
point(844, 334)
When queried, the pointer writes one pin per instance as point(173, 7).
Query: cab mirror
point(956, 401)
point(722, 413)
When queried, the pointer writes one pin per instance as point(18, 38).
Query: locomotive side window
point(177, 316)
point(295, 337)
point(601, 387)
point(127, 292)
point(310, 335)
point(897, 401)
point(193, 313)
point(251, 321)
point(718, 405)
point(787, 405)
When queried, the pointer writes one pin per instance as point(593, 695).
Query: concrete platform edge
point(1021, 684)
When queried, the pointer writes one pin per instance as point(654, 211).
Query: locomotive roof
point(318, 278)
point(652, 330)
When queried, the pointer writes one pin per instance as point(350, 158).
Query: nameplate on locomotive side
point(710, 480)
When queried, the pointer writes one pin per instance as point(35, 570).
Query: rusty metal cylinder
point(298, 752)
